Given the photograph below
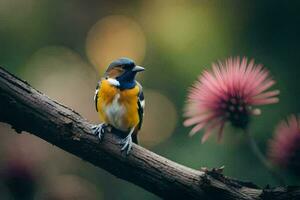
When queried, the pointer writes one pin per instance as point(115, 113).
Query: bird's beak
point(138, 69)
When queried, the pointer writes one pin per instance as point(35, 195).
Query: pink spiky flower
point(284, 148)
point(227, 94)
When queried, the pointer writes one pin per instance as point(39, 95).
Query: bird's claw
point(99, 130)
point(127, 144)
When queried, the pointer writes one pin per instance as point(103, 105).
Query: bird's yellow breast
point(118, 107)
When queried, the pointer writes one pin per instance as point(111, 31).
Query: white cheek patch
point(113, 81)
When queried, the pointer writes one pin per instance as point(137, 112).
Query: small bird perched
point(119, 100)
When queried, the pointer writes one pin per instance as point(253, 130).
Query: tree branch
point(27, 109)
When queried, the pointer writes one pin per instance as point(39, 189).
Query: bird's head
point(122, 72)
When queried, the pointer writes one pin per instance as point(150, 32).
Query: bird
point(119, 101)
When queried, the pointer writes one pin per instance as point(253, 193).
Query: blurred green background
point(63, 47)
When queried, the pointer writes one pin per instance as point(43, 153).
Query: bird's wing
point(141, 105)
point(96, 94)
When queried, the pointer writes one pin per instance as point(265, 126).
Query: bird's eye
point(128, 66)
point(125, 67)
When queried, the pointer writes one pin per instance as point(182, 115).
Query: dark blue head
point(122, 72)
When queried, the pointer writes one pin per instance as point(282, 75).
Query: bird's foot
point(127, 144)
point(100, 129)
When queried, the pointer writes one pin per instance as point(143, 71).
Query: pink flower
point(228, 93)
point(284, 148)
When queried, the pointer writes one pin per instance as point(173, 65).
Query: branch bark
point(27, 109)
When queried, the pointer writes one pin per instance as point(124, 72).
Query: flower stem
point(257, 152)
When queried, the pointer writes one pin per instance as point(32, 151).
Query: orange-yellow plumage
point(123, 102)
point(120, 102)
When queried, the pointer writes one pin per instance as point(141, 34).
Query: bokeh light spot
point(160, 119)
point(64, 76)
point(113, 37)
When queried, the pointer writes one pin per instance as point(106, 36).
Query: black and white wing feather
point(96, 95)
point(141, 105)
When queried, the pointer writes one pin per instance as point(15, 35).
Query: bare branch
point(26, 109)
